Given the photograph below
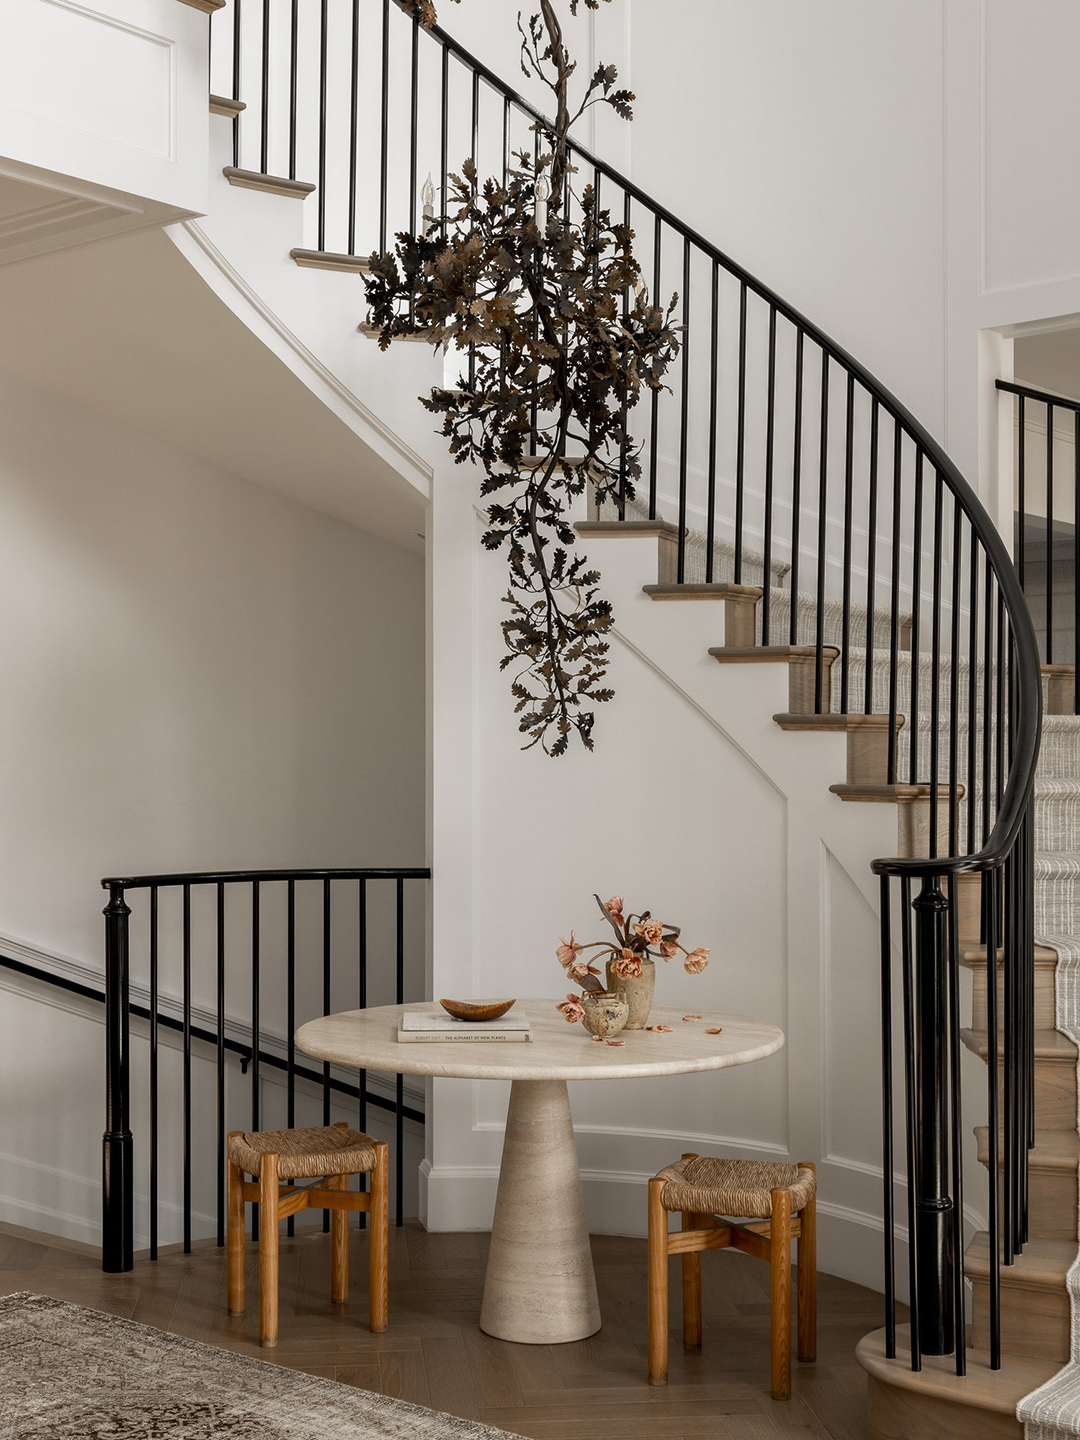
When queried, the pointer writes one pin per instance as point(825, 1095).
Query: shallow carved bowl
point(477, 1009)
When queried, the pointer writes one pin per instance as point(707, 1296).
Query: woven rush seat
point(305, 1154)
point(708, 1186)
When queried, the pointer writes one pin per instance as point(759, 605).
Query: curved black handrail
point(1028, 713)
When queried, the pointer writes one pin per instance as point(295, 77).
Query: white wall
point(199, 673)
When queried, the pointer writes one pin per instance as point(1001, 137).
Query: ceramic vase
point(636, 990)
point(605, 1015)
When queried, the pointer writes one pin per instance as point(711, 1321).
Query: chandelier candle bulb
point(543, 195)
point(427, 197)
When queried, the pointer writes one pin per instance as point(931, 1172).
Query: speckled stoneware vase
point(605, 1015)
point(637, 991)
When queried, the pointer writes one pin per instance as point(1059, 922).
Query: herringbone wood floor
point(434, 1353)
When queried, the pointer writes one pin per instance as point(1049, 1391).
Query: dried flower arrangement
point(534, 280)
point(637, 938)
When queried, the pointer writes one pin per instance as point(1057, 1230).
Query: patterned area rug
point(72, 1374)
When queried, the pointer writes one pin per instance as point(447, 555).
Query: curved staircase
point(921, 654)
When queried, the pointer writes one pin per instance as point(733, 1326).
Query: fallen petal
point(719, 1031)
point(616, 1042)
point(693, 1017)
point(662, 1029)
point(598, 1039)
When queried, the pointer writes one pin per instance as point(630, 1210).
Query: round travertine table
point(540, 1288)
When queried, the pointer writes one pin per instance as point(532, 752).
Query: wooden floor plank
point(435, 1354)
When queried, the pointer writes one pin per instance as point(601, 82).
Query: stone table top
point(367, 1040)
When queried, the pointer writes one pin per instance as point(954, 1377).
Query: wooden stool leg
point(780, 1264)
point(658, 1285)
point(378, 1273)
point(806, 1283)
point(691, 1290)
point(339, 1244)
point(691, 1286)
point(234, 1235)
point(268, 1251)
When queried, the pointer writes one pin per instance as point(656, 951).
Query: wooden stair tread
point(833, 721)
point(637, 529)
point(1049, 1045)
point(331, 260)
point(1043, 1265)
point(713, 590)
point(975, 955)
point(1054, 1149)
point(223, 105)
point(272, 184)
point(374, 332)
point(888, 794)
point(769, 654)
point(981, 1388)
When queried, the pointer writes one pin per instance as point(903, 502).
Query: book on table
point(432, 1026)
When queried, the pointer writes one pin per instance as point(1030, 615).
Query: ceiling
point(1050, 361)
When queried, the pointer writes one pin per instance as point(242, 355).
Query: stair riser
point(897, 1414)
point(1044, 997)
point(1055, 1095)
point(1034, 1323)
point(1052, 1204)
point(1057, 903)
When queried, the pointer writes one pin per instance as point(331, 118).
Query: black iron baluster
point(894, 598)
point(845, 604)
point(770, 435)
point(187, 1068)
point(954, 686)
point(354, 108)
point(796, 488)
point(323, 43)
point(888, 1206)
point(654, 429)
point(714, 403)
point(327, 1006)
point(256, 980)
point(399, 1087)
point(1021, 480)
point(871, 558)
point(362, 1005)
point(959, 1316)
point(823, 542)
point(684, 421)
point(740, 438)
point(414, 115)
point(384, 154)
point(236, 70)
point(1049, 534)
point(911, 1112)
point(935, 668)
point(990, 912)
point(973, 695)
point(1076, 562)
point(916, 616)
point(290, 1015)
point(444, 131)
point(294, 71)
point(264, 133)
point(1011, 1135)
point(154, 1074)
point(117, 1221)
point(221, 1114)
point(987, 697)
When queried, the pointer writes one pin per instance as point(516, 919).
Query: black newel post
point(933, 1202)
point(117, 1220)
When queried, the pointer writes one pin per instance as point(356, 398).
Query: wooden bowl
point(477, 1010)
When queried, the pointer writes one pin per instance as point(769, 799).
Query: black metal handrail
point(118, 1141)
point(858, 498)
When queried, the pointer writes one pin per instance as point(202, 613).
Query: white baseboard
point(463, 1199)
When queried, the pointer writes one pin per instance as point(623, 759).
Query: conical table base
point(540, 1287)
